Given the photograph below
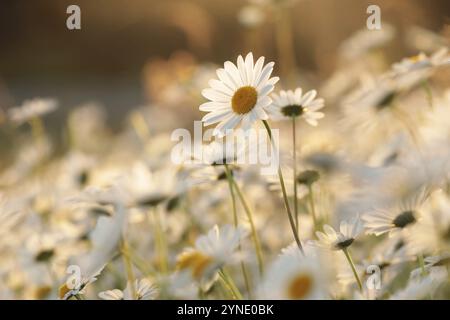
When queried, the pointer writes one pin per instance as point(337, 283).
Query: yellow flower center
point(416, 58)
point(299, 287)
point(194, 260)
point(244, 100)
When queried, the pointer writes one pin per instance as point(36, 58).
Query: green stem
point(428, 92)
point(283, 189)
point(313, 208)
point(37, 128)
point(236, 224)
point(160, 243)
point(294, 147)
point(352, 265)
point(129, 268)
point(230, 284)
point(249, 213)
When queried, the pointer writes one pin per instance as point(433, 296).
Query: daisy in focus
point(240, 96)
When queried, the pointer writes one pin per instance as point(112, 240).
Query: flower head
point(32, 108)
point(291, 104)
point(145, 290)
point(240, 96)
point(211, 252)
point(295, 277)
point(397, 218)
point(339, 240)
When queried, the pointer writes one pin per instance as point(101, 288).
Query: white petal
point(298, 95)
point(214, 117)
point(221, 87)
point(215, 95)
point(213, 106)
point(242, 72)
point(308, 97)
point(265, 90)
point(249, 68)
point(233, 73)
point(227, 124)
point(226, 79)
point(265, 74)
point(257, 70)
point(263, 102)
point(261, 113)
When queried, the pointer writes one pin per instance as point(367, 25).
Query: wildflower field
point(278, 149)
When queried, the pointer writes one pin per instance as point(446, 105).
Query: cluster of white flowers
point(364, 189)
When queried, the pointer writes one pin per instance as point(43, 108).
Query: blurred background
point(127, 52)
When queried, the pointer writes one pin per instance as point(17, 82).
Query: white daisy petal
point(214, 117)
point(308, 97)
point(215, 95)
point(214, 106)
point(233, 73)
point(242, 72)
point(249, 68)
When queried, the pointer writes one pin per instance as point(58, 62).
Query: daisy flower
point(240, 96)
point(291, 104)
point(69, 290)
point(295, 277)
point(421, 62)
point(339, 240)
point(211, 252)
point(145, 290)
point(364, 41)
point(31, 109)
point(432, 230)
point(419, 289)
point(433, 265)
point(397, 218)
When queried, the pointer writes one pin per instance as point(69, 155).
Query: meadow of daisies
point(357, 206)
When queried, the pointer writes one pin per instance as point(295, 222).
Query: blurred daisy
point(10, 216)
point(76, 287)
point(397, 218)
point(421, 62)
point(208, 163)
point(339, 240)
point(106, 235)
point(433, 265)
point(418, 289)
point(295, 277)
point(364, 40)
point(31, 109)
point(145, 290)
point(432, 230)
point(291, 104)
point(240, 96)
point(211, 252)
